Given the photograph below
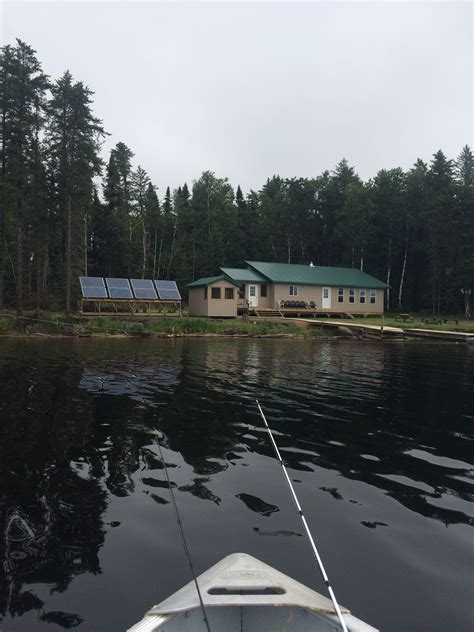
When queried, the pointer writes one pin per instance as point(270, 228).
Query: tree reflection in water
point(80, 424)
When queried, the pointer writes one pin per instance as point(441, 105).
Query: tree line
point(66, 212)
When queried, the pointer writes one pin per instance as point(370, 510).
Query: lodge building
point(285, 287)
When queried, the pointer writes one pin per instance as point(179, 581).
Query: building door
point(326, 298)
point(253, 297)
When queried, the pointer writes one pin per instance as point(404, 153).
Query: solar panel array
point(143, 289)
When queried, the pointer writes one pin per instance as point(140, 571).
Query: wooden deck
point(298, 312)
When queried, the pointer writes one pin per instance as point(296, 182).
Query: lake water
point(378, 439)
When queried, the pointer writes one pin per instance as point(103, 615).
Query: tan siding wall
point(263, 301)
point(357, 306)
point(198, 305)
point(315, 293)
point(222, 307)
point(217, 307)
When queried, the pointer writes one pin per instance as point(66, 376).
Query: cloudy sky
point(249, 90)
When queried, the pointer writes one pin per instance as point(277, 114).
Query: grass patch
point(57, 324)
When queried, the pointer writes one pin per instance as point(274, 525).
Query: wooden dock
point(386, 331)
point(433, 334)
point(372, 330)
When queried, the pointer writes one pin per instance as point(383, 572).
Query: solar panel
point(167, 290)
point(169, 295)
point(119, 288)
point(93, 287)
point(143, 288)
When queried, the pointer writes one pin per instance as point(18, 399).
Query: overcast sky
point(249, 90)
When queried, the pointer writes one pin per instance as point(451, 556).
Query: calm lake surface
point(378, 439)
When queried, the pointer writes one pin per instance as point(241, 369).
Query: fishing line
point(305, 524)
point(180, 524)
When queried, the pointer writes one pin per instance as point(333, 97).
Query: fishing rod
point(180, 524)
point(183, 538)
point(305, 524)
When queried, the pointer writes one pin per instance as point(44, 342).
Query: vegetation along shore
point(55, 324)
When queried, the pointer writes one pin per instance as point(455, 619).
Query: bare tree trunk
point(402, 278)
point(3, 206)
point(289, 248)
point(144, 253)
point(68, 254)
point(362, 258)
point(389, 272)
point(270, 235)
point(467, 302)
point(44, 285)
point(158, 269)
point(171, 252)
point(352, 262)
point(19, 269)
point(154, 253)
point(129, 254)
point(38, 282)
point(85, 245)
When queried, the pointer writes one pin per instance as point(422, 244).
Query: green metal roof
point(209, 281)
point(244, 275)
point(315, 275)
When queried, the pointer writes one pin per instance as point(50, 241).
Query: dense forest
point(67, 211)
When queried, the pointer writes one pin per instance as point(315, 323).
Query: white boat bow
point(242, 594)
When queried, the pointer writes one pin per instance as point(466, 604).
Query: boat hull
point(242, 594)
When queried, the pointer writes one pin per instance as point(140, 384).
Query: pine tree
point(22, 89)
point(73, 137)
point(139, 183)
point(464, 226)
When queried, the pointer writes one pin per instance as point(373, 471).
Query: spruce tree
point(73, 136)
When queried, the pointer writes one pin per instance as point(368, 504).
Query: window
point(252, 290)
point(373, 296)
point(263, 291)
point(361, 296)
point(352, 294)
point(229, 292)
point(215, 292)
point(325, 292)
point(242, 291)
point(293, 290)
point(340, 295)
point(205, 293)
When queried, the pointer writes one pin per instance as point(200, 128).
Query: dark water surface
point(378, 439)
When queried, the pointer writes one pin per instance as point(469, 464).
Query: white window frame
point(362, 296)
point(373, 297)
point(340, 295)
point(352, 295)
point(293, 290)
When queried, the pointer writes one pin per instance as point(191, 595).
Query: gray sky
point(249, 90)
